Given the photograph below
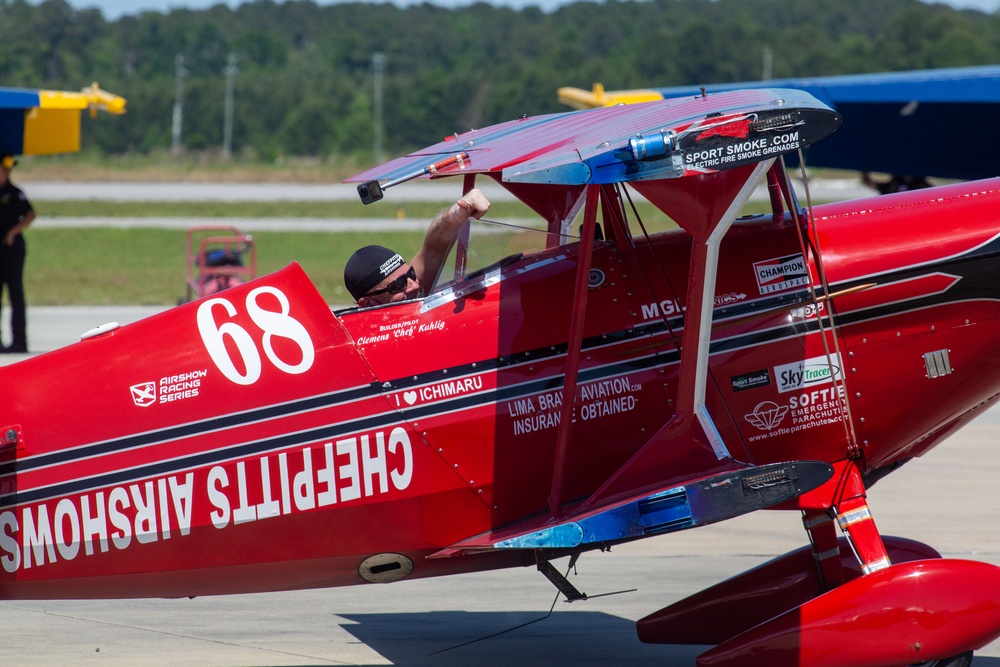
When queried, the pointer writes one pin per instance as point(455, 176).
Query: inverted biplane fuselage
point(605, 387)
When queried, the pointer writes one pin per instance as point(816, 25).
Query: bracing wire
point(847, 421)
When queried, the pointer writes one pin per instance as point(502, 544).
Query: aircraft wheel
point(963, 660)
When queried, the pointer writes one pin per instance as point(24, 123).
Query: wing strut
point(462, 243)
point(573, 350)
point(691, 422)
point(701, 300)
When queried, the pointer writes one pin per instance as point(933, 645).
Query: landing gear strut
point(825, 605)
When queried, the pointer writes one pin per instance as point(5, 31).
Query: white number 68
point(271, 323)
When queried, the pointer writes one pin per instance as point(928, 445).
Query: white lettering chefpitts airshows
point(341, 471)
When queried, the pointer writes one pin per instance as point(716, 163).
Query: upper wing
point(38, 122)
point(664, 139)
point(898, 121)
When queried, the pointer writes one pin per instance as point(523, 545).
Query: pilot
point(16, 213)
point(375, 274)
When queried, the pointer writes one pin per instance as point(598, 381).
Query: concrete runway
point(948, 499)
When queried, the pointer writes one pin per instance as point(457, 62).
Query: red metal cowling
point(901, 615)
point(737, 604)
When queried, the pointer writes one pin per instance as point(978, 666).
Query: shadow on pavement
point(527, 639)
point(564, 638)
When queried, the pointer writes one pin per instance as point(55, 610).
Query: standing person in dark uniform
point(16, 214)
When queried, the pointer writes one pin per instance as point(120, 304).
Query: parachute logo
point(767, 415)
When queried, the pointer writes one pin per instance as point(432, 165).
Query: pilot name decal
point(147, 511)
point(404, 329)
point(595, 400)
point(780, 274)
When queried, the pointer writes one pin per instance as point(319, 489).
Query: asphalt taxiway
point(948, 499)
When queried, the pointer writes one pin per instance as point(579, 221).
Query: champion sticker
point(781, 274)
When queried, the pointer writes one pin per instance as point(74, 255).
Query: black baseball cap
point(368, 267)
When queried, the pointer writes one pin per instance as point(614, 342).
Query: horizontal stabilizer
point(698, 503)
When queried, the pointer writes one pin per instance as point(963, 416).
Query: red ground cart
point(217, 257)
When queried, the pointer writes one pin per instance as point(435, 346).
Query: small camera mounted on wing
point(372, 191)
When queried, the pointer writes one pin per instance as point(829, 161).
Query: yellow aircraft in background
point(598, 97)
point(44, 122)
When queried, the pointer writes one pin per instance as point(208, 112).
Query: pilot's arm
point(442, 233)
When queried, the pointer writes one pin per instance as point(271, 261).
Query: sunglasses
point(397, 285)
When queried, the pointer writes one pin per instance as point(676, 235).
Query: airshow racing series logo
point(781, 274)
point(143, 394)
point(169, 388)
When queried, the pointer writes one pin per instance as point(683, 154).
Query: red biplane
point(599, 385)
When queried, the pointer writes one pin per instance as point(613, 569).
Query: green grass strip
point(146, 266)
point(101, 266)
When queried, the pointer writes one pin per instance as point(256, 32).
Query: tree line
point(308, 79)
